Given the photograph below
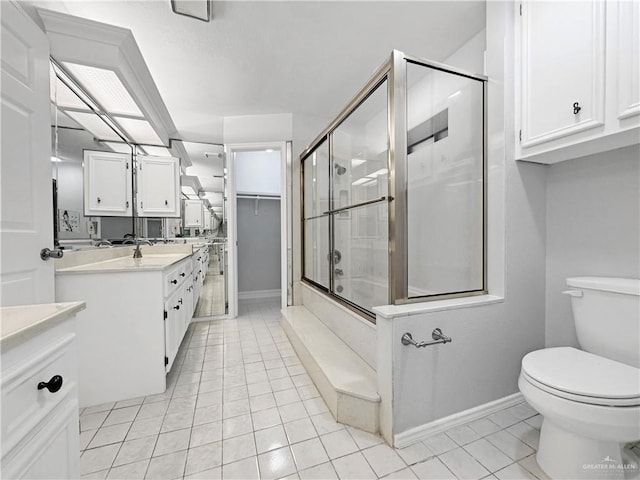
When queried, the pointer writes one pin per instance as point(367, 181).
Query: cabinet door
point(174, 324)
point(158, 186)
point(206, 215)
point(562, 69)
point(107, 184)
point(193, 213)
point(53, 452)
point(628, 59)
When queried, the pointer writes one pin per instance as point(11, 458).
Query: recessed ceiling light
point(139, 131)
point(156, 151)
point(105, 86)
point(94, 124)
point(118, 147)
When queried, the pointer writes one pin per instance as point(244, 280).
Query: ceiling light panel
point(94, 124)
point(62, 96)
point(156, 151)
point(105, 86)
point(140, 131)
point(118, 147)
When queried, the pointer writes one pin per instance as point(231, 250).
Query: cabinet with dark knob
point(53, 385)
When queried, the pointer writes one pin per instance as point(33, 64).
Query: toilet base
point(564, 455)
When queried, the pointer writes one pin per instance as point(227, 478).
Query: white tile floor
point(239, 405)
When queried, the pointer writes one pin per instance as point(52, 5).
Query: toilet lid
point(581, 373)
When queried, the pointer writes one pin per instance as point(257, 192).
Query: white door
point(26, 215)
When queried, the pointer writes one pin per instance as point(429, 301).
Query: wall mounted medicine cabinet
point(108, 180)
point(193, 214)
point(579, 72)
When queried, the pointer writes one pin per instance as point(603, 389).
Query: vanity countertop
point(148, 262)
point(21, 322)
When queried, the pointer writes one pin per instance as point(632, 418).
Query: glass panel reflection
point(316, 250)
point(444, 182)
point(360, 152)
point(316, 181)
point(361, 267)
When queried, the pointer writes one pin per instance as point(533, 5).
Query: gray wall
point(258, 245)
point(593, 228)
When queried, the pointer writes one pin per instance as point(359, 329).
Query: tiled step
point(345, 381)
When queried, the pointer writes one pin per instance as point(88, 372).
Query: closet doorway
point(259, 222)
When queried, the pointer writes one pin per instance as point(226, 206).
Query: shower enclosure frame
point(394, 72)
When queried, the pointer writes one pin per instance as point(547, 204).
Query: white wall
point(593, 228)
point(483, 361)
point(258, 128)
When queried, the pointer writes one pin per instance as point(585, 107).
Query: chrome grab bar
point(437, 335)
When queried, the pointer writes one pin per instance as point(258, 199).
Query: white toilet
point(590, 398)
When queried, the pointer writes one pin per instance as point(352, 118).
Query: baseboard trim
point(258, 294)
point(413, 435)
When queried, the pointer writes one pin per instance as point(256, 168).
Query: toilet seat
point(583, 377)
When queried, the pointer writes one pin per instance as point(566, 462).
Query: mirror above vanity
point(119, 177)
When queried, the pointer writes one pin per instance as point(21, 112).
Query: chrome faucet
point(137, 253)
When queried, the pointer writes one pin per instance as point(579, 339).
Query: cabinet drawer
point(174, 277)
point(24, 405)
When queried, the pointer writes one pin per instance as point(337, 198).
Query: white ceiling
point(257, 57)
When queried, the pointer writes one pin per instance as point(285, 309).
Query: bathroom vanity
point(138, 310)
point(40, 391)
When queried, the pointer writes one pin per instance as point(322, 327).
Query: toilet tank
point(606, 312)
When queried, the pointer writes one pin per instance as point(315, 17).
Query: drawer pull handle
point(174, 281)
point(52, 385)
point(576, 108)
point(182, 274)
point(180, 301)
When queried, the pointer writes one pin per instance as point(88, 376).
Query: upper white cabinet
point(158, 182)
point(193, 214)
point(107, 184)
point(577, 78)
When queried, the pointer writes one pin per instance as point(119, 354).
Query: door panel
point(26, 221)
point(107, 184)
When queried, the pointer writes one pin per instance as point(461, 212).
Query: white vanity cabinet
point(193, 214)
point(158, 186)
point(177, 308)
point(39, 420)
point(107, 184)
point(200, 264)
point(577, 78)
point(130, 333)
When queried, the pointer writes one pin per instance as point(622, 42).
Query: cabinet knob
point(166, 202)
point(174, 281)
point(180, 301)
point(182, 274)
point(52, 385)
point(576, 108)
point(177, 307)
point(98, 199)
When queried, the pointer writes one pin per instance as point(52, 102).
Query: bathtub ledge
point(392, 311)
